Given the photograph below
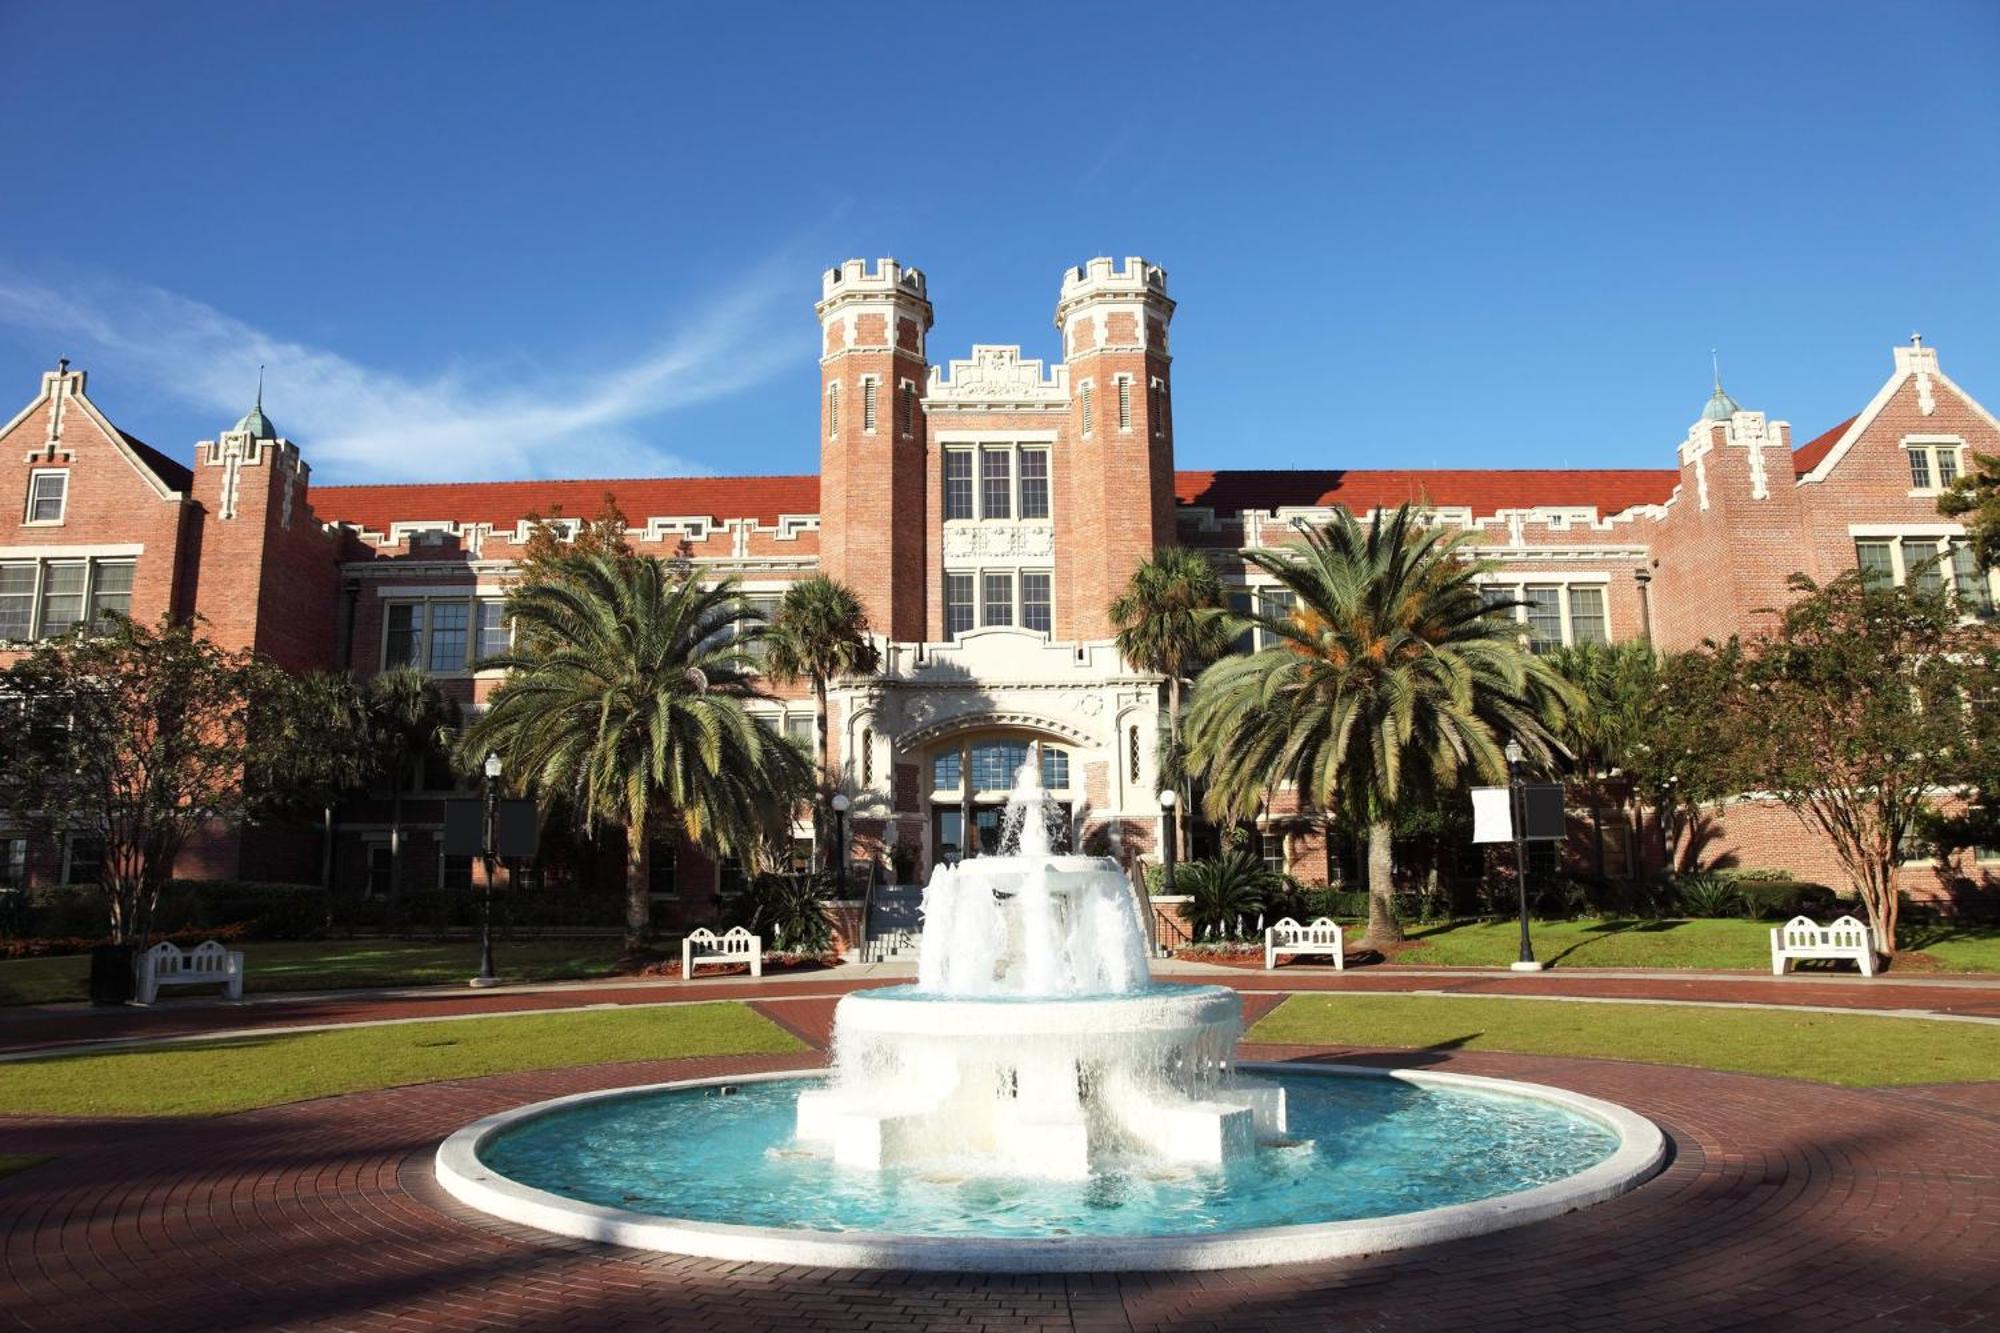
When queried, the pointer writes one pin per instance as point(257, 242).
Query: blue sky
point(516, 240)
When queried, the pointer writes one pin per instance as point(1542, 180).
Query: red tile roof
point(1483, 491)
point(1814, 451)
point(501, 503)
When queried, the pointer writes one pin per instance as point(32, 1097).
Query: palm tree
point(1617, 683)
point(1170, 621)
point(819, 633)
point(411, 722)
point(628, 701)
point(1227, 891)
point(315, 747)
point(1390, 681)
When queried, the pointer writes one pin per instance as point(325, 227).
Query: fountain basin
point(681, 1168)
point(1029, 1085)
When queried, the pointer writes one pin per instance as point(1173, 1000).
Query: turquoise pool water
point(1359, 1147)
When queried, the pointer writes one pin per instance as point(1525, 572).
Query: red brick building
point(986, 509)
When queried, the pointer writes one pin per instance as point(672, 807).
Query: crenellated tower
point(1121, 442)
point(873, 368)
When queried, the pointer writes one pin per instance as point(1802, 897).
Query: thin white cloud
point(360, 423)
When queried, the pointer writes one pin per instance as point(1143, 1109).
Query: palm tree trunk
point(824, 853)
point(638, 900)
point(1383, 927)
point(1181, 812)
point(395, 846)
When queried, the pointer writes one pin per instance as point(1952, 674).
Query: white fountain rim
point(1641, 1152)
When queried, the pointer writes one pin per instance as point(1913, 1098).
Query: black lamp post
point(486, 975)
point(1167, 838)
point(840, 804)
point(1518, 797)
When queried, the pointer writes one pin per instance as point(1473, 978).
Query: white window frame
point(470, 600)
point(1086, 396)
point(1515, 586)
point(1931, 446)
point(1895, 534)
point(28, 519)
point(906, 408)
point(37, 608)
point(1122, 386)
point(1016, 450)
point(870, 405)
point(833, 410)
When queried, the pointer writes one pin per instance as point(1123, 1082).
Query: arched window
point(868, 756)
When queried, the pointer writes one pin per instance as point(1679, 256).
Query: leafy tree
point(410, 724)
point(1974, 499)
point(1855, 711)
point(1227, 891)
point(137, 736)
point(820, 633)
point(1616, 683)
point(1685, 755)
point(1391, 681)
point(313, 751)
point(626, 697)
point(1170, 621)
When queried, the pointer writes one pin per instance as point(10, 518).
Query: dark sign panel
point(1544, 821)
point(517, 828)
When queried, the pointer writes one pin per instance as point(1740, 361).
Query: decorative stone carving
point(998, 375)
point(972, 543)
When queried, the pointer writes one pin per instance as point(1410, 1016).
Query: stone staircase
point(894, 923)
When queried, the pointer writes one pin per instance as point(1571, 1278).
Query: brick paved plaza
point(1785, 1204)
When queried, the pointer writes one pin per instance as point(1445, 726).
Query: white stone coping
point(1641, 1152)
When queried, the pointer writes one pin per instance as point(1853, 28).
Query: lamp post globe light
point(1167, 839)
point(487, 976)
point(840, 804)
point(1519, 810)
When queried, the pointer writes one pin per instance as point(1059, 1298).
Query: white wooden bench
point(1802, 937)
point(736, 945)
point(1288, 937)
point(207, 964)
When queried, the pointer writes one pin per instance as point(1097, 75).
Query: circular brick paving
point(1786, 1205)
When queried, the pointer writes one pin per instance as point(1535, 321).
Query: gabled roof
point(1484, 491)
point(503, 503)
point(1809, 455)
point(174, 476)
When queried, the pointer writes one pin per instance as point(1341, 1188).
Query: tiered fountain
point(1035, 1103)
point(1034, 1042)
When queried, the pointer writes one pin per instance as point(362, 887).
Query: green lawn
point(294, 965)
point(1849, 1049)
point(1673, 944)
point(213, 1078)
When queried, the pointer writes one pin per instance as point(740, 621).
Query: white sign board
point(1492, 814)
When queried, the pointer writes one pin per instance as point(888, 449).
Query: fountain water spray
point(1034, 1042)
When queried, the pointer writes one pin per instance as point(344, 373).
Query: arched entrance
point(966, 777)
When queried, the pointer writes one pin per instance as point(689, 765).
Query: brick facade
point(1064, 482)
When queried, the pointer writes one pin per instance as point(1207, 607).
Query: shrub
point(1227, 894)
point(789, 911)
point(266, 911)
point(1781, 900)
point(1707, 895)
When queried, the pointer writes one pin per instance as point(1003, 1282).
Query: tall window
point(1055, 768)
point(1586, 616)
point(997, 599)
point(13, 863)
point(64, 585)
point(17, 602)
point(799, 730)
point(1545, 627)
point(1920, 565)
point(84, 861)
point(1969, 581)
point(1124, 402)
point(663, 866)
point(1920, 469)
point(495, 634)
point(110, 588)
point(1241, 601)
point(868, 406)
point(906, 404)
point(1156, 405)
point(405, 641)
point(945, 770)
point(1036, 613)
point(957, 605)
point(448, 626)
point(1877, 564)
point(833, 409)
point(1034, 483)
point(47, 494)
point(958, 483)
point(996, 483)
point(1088, 399)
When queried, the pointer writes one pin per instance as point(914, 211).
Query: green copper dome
point(257, 424)
point(1720, 406)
